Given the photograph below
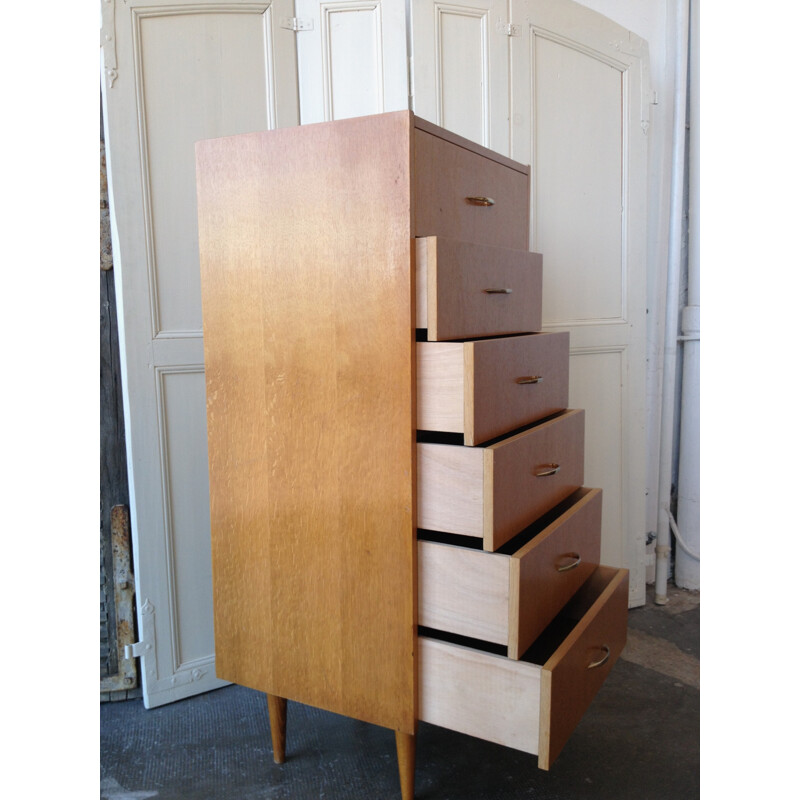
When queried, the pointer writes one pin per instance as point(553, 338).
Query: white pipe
point(663, 546)
point(687, 558)
point(679, 539)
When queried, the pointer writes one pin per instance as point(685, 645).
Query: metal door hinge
point(654, 98)
point(145, 648)
point(297, 24)
point(509, 29)
point(137, 649)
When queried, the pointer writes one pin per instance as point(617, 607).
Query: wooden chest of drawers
point(389, 440)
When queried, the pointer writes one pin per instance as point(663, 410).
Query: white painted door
point(461, 63)
point(580, 120)
point(175, 72)
point(352, 58)
point(576, 86)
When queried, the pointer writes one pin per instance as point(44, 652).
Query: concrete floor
point(640, 739)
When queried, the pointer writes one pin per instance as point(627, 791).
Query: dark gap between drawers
point(535, 528)
point(439, 437)
point(422, 336)
point(465, 641)
point(440, 537)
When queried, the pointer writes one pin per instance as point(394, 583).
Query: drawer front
point(524, 705)
point(467, 290)
point(573, 675)
point(514, 382)
point(495, 492)
point(510, 599)
point(447, 175)
point(530, 473)
point(487, 388)
point(546, 572)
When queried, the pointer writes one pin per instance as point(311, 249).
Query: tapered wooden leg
point(406, 759)
point(277, 726)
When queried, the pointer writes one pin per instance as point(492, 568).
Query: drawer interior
point(565, 622)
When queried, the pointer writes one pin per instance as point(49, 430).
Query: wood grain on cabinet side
point(450, 490)
point(497, 401)
point(479, 694)
point(515, 493)
point(568, 684)
point(463, 591)
point(311, 412)
point(440, 386)
point(538, 591)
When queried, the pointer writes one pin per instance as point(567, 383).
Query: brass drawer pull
point(530, 379)
point(480, 201)
point(576, 559)
point(600, 662)
point(497, 291)
point(551, 469)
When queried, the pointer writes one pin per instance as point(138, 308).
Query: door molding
point(172, 75)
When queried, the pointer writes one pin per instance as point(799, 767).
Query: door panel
point(578, 98)
point(352, 58)
point(579, 121)
point(461, 68)
point(184, 465)
point(597, 378)
point(175, 55)
point(176, 72)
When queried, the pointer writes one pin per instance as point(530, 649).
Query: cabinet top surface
point(414, 121)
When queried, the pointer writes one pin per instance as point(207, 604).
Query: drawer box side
point(480, 694)
point(440, 386)
point(450, 492)
point(463, 591)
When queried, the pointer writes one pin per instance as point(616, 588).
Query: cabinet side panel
point(305, 242)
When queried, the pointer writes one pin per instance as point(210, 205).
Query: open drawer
point(467, 290)
point(533, 704)
point(495, 490)
point(509, 597)
point(486, 388)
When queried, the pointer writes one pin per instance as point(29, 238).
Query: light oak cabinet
point(399, 526)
